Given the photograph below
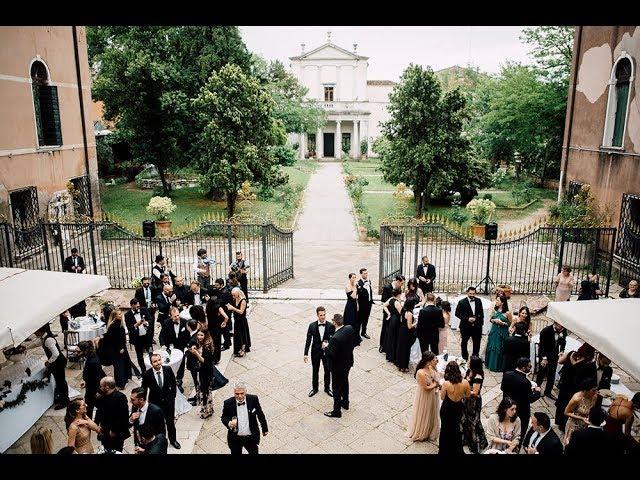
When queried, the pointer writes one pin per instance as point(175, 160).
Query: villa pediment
point(329, 51)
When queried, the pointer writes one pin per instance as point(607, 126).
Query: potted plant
point(162, 207)
point(480, 211)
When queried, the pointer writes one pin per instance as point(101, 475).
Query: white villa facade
point(355, 106)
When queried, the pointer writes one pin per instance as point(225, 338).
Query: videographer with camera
point(240, 267)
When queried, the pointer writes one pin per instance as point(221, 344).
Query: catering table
point(87, 328)
point(173, 361)
point(14, 422)
point(442, 363)
point(487, 308)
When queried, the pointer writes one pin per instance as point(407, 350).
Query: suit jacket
point(548, 347)
point(387, 292)
point(168, 334)
point(340, 349)
point(428, 272)
point(365, 296)
point(230, 410)
point(513, 348)
point(549, 445)
point(430, 320)
point(605, 379)
point(191, 362)
point(130, 321)
point(68, 264)
point(164, 397)
point(314, 340)
point(92, 373)
point(154, 418)
point(158, 446)
point(463, 312)
point(113, 414)
point(163, 306)
point(592, 441)
point(139, 295)
point(190, 297)
point(518, 387)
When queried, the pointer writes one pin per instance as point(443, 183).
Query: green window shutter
point(50, 115)
point(36, 107)
point(622, 96)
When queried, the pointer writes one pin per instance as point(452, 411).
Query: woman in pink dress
point(564, 283)
point(444, 332)
point(424, 423)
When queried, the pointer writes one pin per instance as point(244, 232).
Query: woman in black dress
point(392, 307)
point(474, 436)
point(414, 292)
point(241, 336)
point(576, 367)
point(454, 390)
point(210, 378)
point(351, 307)
point(115, 346)
point(217, 321)
point(406, 334)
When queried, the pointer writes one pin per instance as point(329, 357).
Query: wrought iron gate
point(391, 255)
point(628, 246)
point(27, 233)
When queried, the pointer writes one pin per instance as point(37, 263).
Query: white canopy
point(31, 298)
point(611, 326)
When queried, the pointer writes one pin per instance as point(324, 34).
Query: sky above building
point(392, 49)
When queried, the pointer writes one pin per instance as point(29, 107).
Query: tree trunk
point(163, 179)
point(231, 203)
point(419, 201)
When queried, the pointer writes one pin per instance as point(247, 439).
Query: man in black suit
point(174, 332)
point(145, 415)
point(223, 293)
point(541, 439)
point(387, 293)
point(365, 300)
point(74, 263)
point(196, 295)
point(430, 320)
point(146, 295)
point(517, 386)
point(164, 302)
point(319, 331)
point(469, 311)
point(426, 274)
point(604, 372)
point(240, 414)
point(139, 323)
point(160, 383)
point(159, 269)
point(151, 444)
point(112, 415)
point(340, 358)
point(553, 339)
point(592, 441)
point(516, 346)
point(181, 291)
point(191, 363)
point(92, 373)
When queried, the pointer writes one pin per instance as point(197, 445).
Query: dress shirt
point(143, 413)
point(367, 286)
point(155, 374)
point(50, 344)
point(196, 299)
point(321, 327)
point(472, 303)
point(176, 328)
point(243, 420)
point(142, 330)
point(75, 261)
point(147, 295)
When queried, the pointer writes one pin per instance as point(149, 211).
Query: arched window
point(618, 102)
point(45, 106)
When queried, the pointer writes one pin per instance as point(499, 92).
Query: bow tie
point(240, 404)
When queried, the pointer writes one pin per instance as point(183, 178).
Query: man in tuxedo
point(387, 293)
point(365, 300)
point(516, 346)
point(553, 339)
point(340, 358)
point(174, 332)
point(240, 267)
point(319, 331)
point(160, 268)
point(92, 373)
point(593, 441)
point(541, 439)
point(191, 363)
point(181, 291)
point(469, 311)
point(145, 415)
point(241, 414)
point(112, 415)
point(164, 301)
point(151, 444)
point(517, 386)
point(160, 383)
point(74, 263)
point(604, 372)
point(426, 274)
point(430, 320)
point(139, 323)
point(196, 295)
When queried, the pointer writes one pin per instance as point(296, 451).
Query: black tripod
point(487, 278)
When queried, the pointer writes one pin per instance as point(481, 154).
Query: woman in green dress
point(499, 331)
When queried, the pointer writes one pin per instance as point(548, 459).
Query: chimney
point(302, 45)
point(355, 47)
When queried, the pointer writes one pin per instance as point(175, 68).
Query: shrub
point(104, 154)
point(524, 193)
point(285, 155)
point(481, 210)
point(498, 177)
point(583, 211)
point(266, 192)
point(363, 146)
point(487, 196)
point(161, 207)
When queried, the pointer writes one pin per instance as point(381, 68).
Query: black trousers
point(169, 411)
point(61, 392)
point(244, 286)
point(180, 372)
point(226, 333)
point(141, 348)
point(475, 334)
point(248, 443)
point(363, 316)
point(194, 376)
point(216, 335)
point(340, 378)
point(430, 342)
point(548, 372)
point(383, 332)
point(315, 365)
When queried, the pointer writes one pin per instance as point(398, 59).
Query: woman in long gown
point(210, 377)
point(524, 316)
point(474, 436)
point(392, 307)
point(414, 292)
point(576, 367)
point(241, 336)
point(443, 333)
point(494, 354)
point(406, 334)
point(453, 391)
point(424, 424)
point(350, 313)
point(79, 427)
point(115, 345)
point(577, 410)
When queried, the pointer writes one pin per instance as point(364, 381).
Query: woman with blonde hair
point(241, 336)
point(41, 441)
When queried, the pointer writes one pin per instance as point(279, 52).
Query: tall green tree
point(239, 134)
point(552, 49)
point(424, 145)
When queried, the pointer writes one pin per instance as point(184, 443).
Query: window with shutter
point(617, 104)
point(46, 107)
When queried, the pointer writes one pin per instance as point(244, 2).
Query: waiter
point(56, 363)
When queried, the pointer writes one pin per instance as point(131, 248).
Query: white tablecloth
point(487, 308)
point(88, 328)
point(182, 405)
point(442, 363)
